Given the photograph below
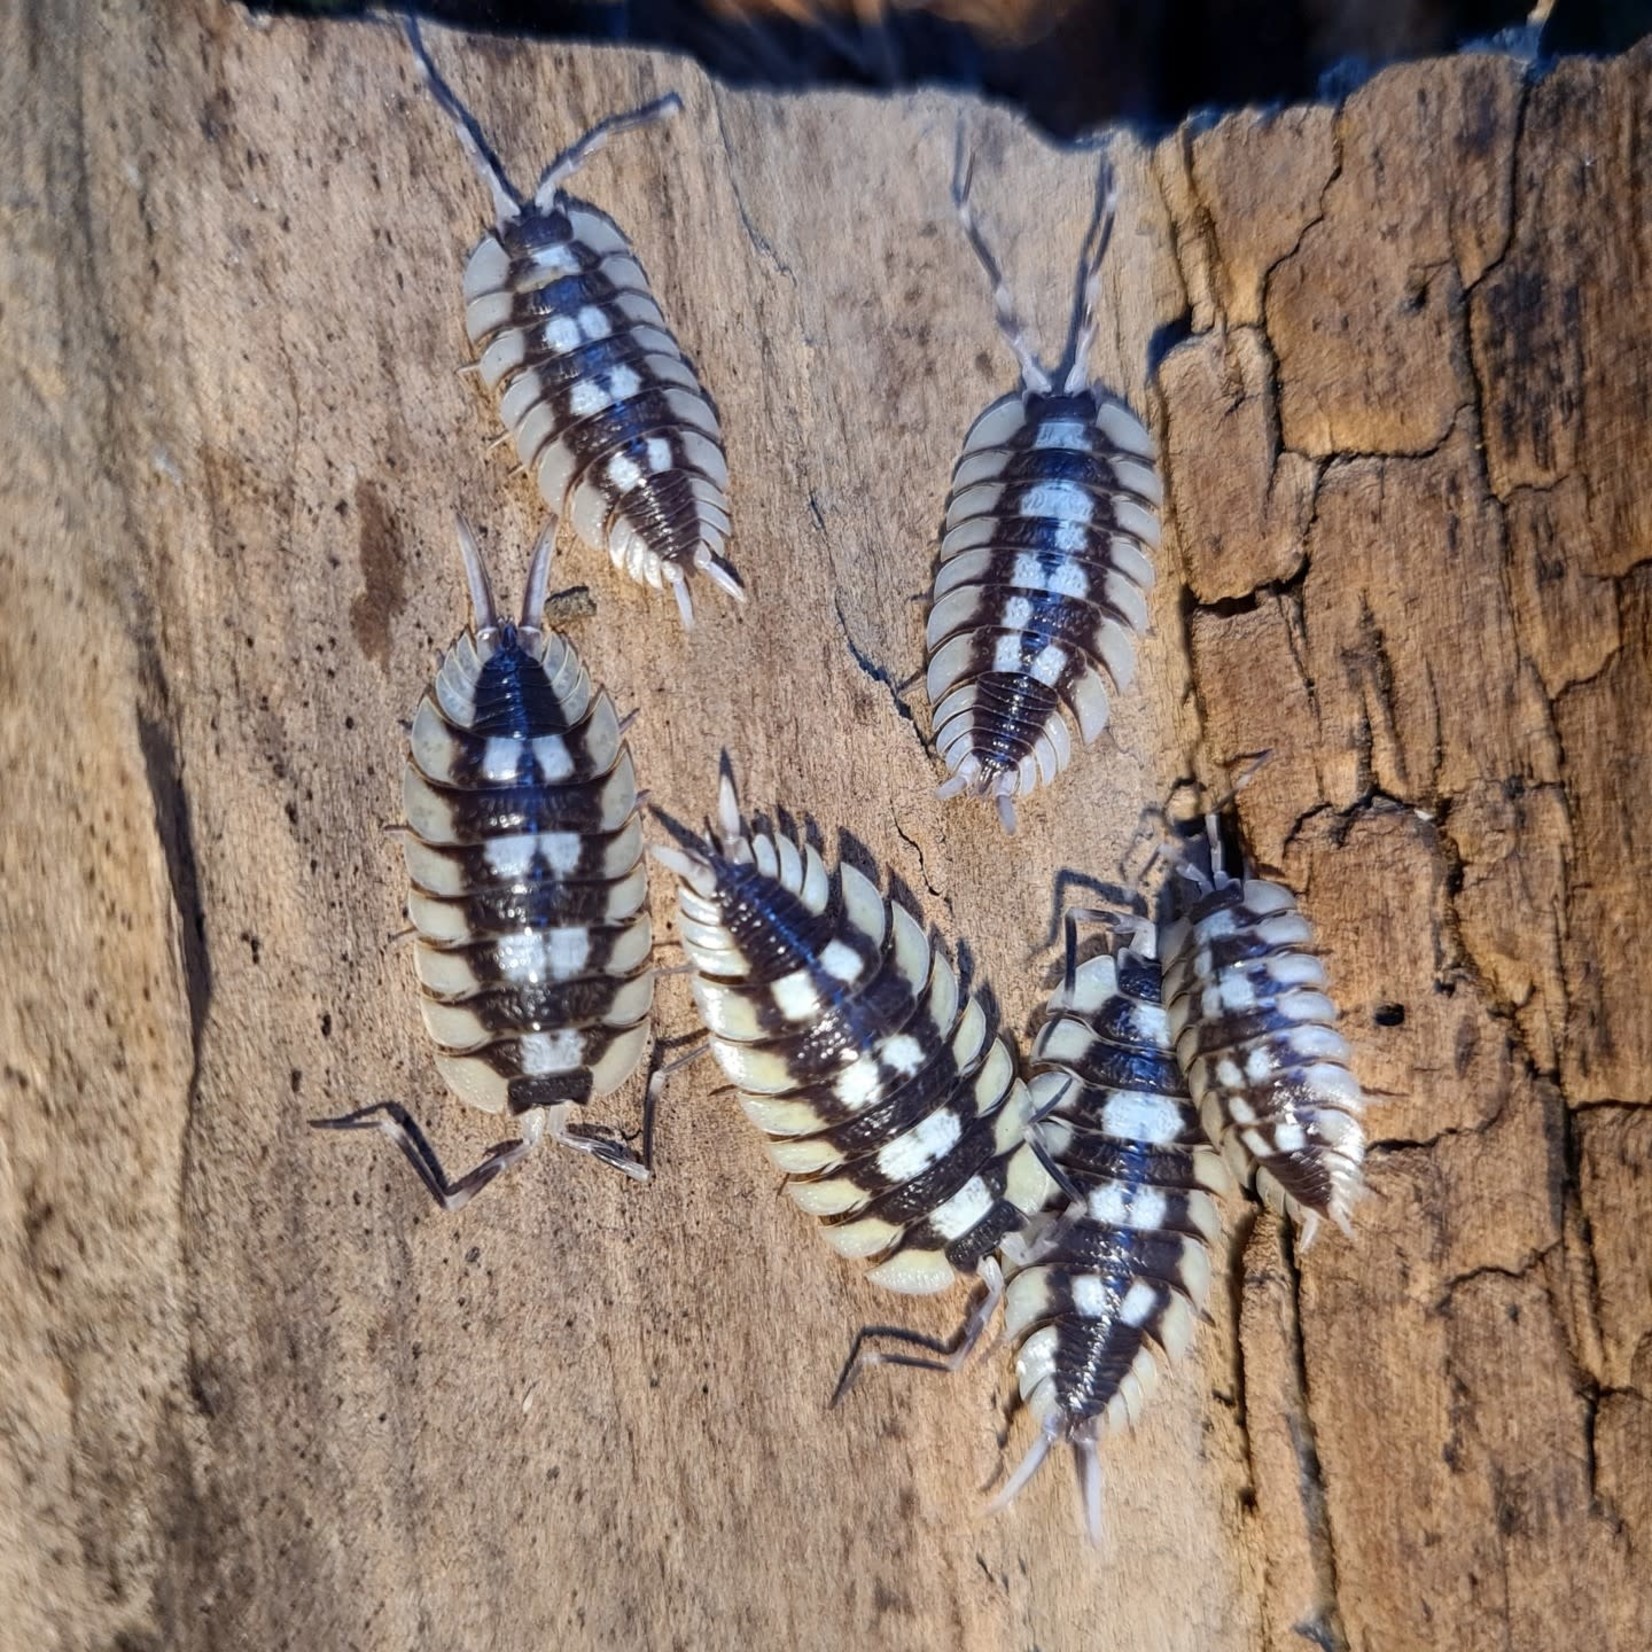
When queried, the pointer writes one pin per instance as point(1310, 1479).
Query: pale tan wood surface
point(255, 1392)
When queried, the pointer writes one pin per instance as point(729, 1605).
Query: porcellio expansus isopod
point(607, 413)
point(1099, 1291)
point(1255, 1031)
point(887, 1098)
point(530, 891)
point(1041, 587)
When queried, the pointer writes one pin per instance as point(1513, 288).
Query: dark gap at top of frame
point(1069, 65)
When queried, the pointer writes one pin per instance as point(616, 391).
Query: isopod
point(1255, 1031)
point(607, 413)
point(889, 1101)
point(1100, 1291)
point(529, 887)
point(1041, 587)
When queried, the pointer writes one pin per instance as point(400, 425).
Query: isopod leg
point(656, 1082)
point(399, 1125)
point(604, 1149)
point(950, 1355)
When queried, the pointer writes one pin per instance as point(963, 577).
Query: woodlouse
point(888, 1100)
point(1255, 1031)
point(1041, 587)
point(1099, 1291)
point(606, 411)
point(529, 898)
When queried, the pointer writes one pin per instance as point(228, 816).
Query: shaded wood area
point(255, 1392)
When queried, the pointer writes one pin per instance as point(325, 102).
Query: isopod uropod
point(1255, 1032)
point(1098, 1292)
point(1040, 591)
point(889, 1102)
point(607, 413)
point(529, 886)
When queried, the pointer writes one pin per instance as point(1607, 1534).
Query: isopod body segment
point(529, 887)
point(1103, 1289)
point(1045, 557)
point(1255, 1030)
point(607, 413)
point(886, 1097)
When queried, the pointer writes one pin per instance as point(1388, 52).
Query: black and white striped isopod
point(530, 891)
point(888, 1100)
point(608, 415)
point(1255, 1031)
point(1100, 1291)
point(1041, 589)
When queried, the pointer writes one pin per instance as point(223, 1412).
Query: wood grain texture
point(255, 1392)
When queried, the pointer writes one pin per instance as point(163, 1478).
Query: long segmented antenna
point(507, 199)
point(581, 150)
point(1033, 375)
point(1072, 369)
point(482, 605)
point(1082, 334)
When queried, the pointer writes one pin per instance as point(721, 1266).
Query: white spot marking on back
point(1139, 1115)
point(1063, 433)
point(509, 857)
point(796, 996)
point(567, 949)
point(562, 333)
point(550, 754)
point(501, 757)
point(925, 1144)
point(558, 257)
point(521, 956)
point(587, 396)
point(1006, 653)
point(1237, 992)
point(1051, 662)
point(560, 851)
point(1259, 1064)
point(593, 323)
point(1289, 1136)
point(1062, 501)
point(623, 472)
point(659, 454)
point(558, 1052)
point(1139, 1302)
point(841, 961)
point(1091, 1297)
point(858, 1082)
point(623, 383)
point(1017, 612)
point(903, 1053)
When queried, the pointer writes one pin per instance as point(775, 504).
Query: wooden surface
point(255, 1392)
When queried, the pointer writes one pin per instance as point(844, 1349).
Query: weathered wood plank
point(253, 1392)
